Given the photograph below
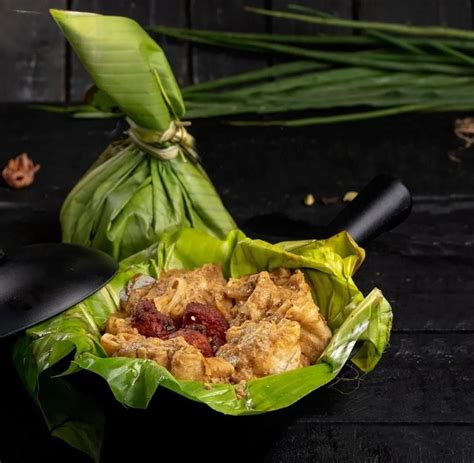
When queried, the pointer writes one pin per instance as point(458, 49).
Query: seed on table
point(309, 200)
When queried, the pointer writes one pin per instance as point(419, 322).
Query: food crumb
point(455, 156)
point(241, 390)
point(350, 196)
point(207, 386)
point(464, 129)
point(309, 200)
point(20, 172)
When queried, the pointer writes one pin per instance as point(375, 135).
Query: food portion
point(201, 327)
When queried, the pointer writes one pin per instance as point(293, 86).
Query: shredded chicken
point(208, 329)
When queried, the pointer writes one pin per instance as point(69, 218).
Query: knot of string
point(164, 145)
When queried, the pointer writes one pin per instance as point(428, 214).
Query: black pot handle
point(382, 205)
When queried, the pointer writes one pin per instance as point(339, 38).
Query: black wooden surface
point(418, 405)
point(32, 52)
point(36, 65)
point(341, 8)
point(456, 13)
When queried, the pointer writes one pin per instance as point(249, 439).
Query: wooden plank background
point(37, 65)
point(416, 406)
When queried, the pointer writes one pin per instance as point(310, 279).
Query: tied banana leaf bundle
point(151, 181)
point(360, 326)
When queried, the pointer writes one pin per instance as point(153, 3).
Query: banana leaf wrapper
point(129, 197)
point(361, 329)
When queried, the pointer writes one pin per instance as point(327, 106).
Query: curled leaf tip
point(56, 14)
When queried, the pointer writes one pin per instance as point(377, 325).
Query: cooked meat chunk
point(217, 369)
point(190, 364)
point(300, 307)
point(176, 355)
point(239, 289)
point(196, 339)
point(149, 322)
point(281, 276)
point(281, 295)
point(137, 287)
point(177, 288)
point(258, 295)
point(315, 334)
point(119, 322)
point(208, 320)
point(260, 349)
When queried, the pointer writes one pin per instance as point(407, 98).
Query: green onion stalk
point(387, 69)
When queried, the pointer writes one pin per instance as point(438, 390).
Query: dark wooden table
point(418, 405)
